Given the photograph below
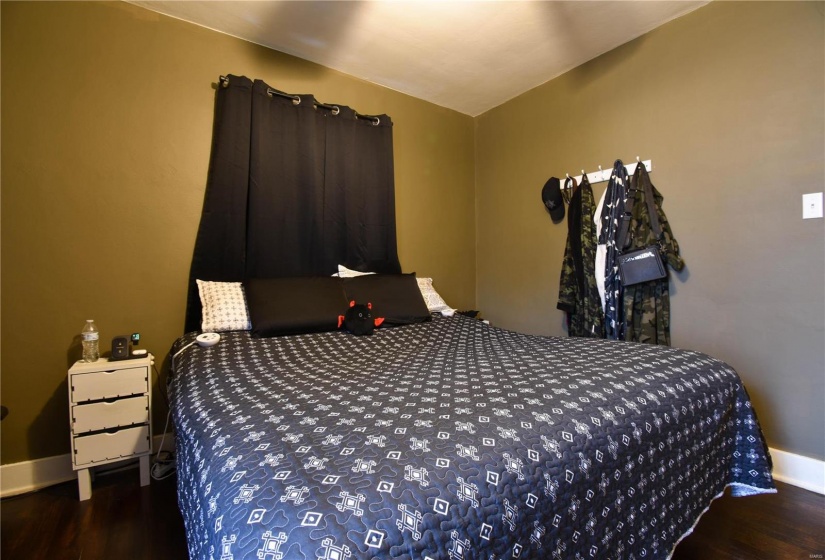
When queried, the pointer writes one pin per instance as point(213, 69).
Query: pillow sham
point(280, 306)
point(395, 297)
point(224, 306)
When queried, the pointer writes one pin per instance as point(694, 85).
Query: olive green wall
point(728, 101)
point(106, 129)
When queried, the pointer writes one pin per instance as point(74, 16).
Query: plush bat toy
point(358, 319)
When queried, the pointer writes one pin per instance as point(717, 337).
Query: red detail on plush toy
point(377, 321)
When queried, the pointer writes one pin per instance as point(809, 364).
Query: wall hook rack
point(604, 174)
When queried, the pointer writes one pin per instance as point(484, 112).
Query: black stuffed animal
point(358, 319)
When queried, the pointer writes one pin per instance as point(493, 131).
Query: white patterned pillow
point(224, 306)
point(434, 302)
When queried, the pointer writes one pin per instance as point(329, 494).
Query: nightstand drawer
point(108, 384)
point(104, 447)
point(104, 415)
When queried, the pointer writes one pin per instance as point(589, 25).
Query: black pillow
point(280, 306)
point(395, 297)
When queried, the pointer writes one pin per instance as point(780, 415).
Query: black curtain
point(294, 188)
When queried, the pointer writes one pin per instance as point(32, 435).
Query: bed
point(452, 439)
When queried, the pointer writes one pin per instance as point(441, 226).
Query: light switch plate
point(812, 205)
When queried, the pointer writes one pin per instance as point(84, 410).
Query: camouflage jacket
point(578, 294)
point(646, 306)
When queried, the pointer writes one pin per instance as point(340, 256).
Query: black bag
point(641, 265)
point(645, 264)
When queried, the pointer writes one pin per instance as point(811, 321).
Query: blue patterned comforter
point(454, 440)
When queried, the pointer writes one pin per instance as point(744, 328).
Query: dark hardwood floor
point(787, 525)
point(123, 521)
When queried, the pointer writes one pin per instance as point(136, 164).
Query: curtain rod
point(296, 99)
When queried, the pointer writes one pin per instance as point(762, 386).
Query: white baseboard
point(27, 476)
point(19, 478)
point(799, 470)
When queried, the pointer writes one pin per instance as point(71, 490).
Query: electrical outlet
point(811, 205)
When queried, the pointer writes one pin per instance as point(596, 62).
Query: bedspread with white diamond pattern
point(454, 440)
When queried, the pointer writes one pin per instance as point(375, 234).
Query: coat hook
point(568, 175)
point(638, 160)
point(583, 173)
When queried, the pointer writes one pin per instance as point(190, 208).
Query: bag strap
point(641, 172)
point(622, 239)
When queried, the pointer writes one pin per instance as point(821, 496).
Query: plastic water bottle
point(90, 336)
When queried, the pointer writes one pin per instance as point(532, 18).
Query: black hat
point(551, 195)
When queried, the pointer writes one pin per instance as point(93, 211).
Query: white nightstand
point(110, 410)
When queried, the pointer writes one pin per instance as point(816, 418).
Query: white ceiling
point(469, 56)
